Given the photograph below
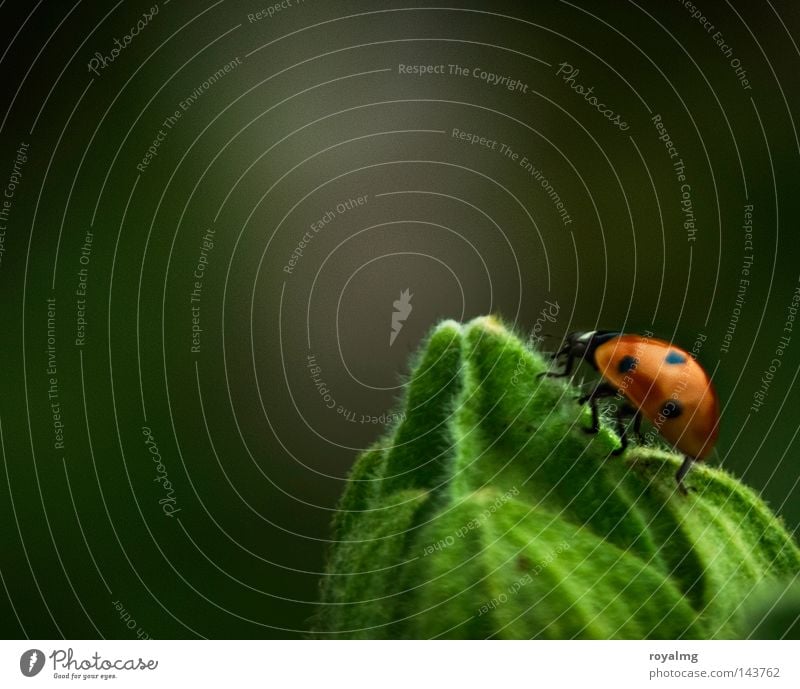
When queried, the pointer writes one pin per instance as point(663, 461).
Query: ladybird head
point(582, 344)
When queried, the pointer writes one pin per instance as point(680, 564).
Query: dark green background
point(256, 459)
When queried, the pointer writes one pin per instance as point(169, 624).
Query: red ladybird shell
point(667, 385)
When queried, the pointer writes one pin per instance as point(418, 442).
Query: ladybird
point(657, 380)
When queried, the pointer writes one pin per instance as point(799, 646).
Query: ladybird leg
point(622, 431)
point(637, 426)
point(600, 391)
point(566, 371)
point(595, 416)
point(684, 469)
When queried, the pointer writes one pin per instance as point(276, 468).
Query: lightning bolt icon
point(402, 310)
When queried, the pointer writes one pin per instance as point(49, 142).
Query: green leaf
point(488, 511)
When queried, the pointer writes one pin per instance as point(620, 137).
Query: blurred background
point(210, 211)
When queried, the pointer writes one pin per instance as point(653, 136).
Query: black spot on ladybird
point(674, 357)
point(627, 363)
point(672, 409)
